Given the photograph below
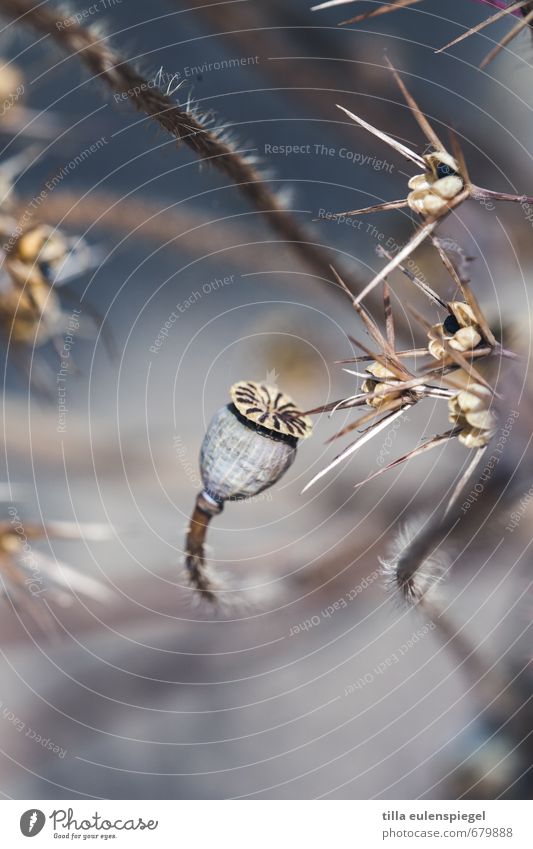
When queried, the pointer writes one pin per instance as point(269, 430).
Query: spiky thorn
point(419, 283)
point(502, 13)
point(435, 193)
point(514, 8)
point(516, 30)
point(523, 6)
point(404, 388)
point(374, 13)
point(434, 442)
point(355, 446)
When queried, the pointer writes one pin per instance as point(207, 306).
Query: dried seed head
point(384, 386)
point(11, 80)
point(470, 410)
point(267, 406)
point(431, 192)
point(464, 314)
point(26, 572)
point(250, 443)
point(9, 543)
point(441, 164)
point(41, 243)
point(460, 330)
point(34, 253)
point(31, 316)
point(248, 446)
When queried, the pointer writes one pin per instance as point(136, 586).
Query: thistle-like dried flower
point(31, 316)
point(28, 577)
point(440, 183)
point(248, 446)
point(471, 411)
point(11, 81)
point(36, 254)
point(389, 387)
point(383, 389)
point(34, 263)
point(459, 331)
point(443, 184)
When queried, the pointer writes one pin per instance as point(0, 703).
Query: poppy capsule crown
point(249, 444)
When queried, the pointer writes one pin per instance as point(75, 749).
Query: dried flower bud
point(27, 573)
point(248, 446)
point(463, 313)
point(470, 410)
point(31, 316)
point(384, 386)
point(11, 80)
point(460, 330)
point(431, 192)
point(34, 252)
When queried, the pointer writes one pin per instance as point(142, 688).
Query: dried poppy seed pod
point(249, 445)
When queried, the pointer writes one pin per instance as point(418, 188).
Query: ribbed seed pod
point(237, 461)
point(249, 445)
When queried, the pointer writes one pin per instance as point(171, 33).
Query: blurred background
point(312, 681)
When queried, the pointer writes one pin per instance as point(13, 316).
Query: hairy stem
point(95, 52)
point(194, 550)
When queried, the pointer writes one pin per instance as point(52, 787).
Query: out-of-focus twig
point(94, 51)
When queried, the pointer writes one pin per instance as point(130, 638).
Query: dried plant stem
point(417, 567)
point(493, 685)
point(185, 230)
point(95, 53)
point(195, 545)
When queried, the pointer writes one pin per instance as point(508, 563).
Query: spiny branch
point(95, 52)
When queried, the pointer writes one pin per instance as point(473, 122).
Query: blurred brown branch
point(95, 52)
